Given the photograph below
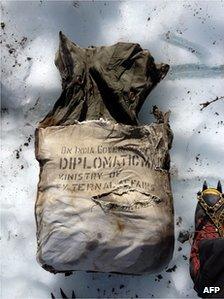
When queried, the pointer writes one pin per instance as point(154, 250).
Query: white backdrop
point(188, 35)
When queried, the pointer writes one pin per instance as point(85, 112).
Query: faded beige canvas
point(104, 200)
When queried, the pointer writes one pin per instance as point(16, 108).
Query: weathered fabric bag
point(104, 200)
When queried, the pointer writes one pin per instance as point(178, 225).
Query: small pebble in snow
point(179, 221)
point(184, 236)
point(173, 269)
point(2, 25)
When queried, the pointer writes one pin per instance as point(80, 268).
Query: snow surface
point(186, 34)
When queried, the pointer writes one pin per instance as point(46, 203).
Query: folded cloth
point(103, 82)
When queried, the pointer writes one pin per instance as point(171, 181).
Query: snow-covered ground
point(186, 34)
